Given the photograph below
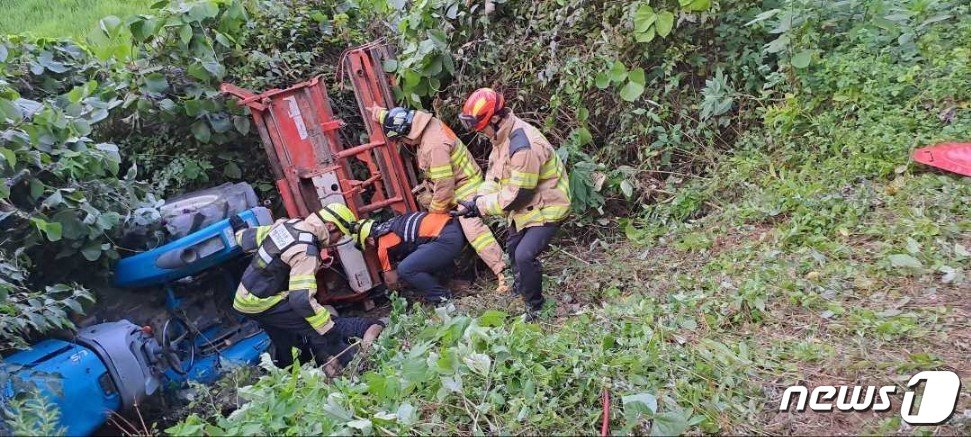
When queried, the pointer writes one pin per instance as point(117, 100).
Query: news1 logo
point(937, 404)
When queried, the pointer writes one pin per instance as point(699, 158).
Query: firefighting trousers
point(524, 248)
point(288, 330)
point(419, 268)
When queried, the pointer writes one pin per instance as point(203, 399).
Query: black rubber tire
point(190, 212)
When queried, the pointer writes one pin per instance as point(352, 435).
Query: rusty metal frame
point(299, 133)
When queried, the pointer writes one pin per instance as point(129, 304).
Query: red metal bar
point(371, 207)
point(369, 92)
point(357, 150)
point(287, 197)
point(311, 165)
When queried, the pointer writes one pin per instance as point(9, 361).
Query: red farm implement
point(313, 166)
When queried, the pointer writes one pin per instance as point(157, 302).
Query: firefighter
point(416, 247)
point(525, 182)
point(451, 175)
point(277, 289)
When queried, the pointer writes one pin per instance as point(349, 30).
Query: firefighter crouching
point(277, 289)
point(420, 246)
point(525, 182)
point(451, 175)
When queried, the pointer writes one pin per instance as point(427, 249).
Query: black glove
point(470, 209)
point(237, 223)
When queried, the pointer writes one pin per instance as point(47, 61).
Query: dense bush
point(94, 134)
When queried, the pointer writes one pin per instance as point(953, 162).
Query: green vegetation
point(750, 215)
point(63, 18)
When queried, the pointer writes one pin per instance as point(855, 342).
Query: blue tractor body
point(194, 253)
point(72, 377)
point(110, 366)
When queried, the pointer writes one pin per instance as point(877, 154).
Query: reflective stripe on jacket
point(398, 237)
point(450, 170)
point(283, 267)
point(526, 181)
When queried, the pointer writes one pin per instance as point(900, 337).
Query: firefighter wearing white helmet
point(278, 287)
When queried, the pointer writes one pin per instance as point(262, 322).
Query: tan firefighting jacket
point(526, 181)
point(297, 265)
point(451, 174)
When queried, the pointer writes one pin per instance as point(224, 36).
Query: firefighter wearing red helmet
point(526, 182)
point(451, 174)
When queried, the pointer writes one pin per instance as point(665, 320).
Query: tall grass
point(62, 18)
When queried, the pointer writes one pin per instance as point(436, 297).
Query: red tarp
point(954, 157)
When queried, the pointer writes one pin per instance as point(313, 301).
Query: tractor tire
point(188, 213)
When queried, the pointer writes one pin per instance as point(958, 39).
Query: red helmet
point(480, 107)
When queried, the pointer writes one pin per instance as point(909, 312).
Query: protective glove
point(502, 288)
point(468, 209)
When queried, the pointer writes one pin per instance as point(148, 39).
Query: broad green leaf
point(618, 72)
point(583, 114)
point(215, 67)
point(492, 318)
point(363, 425)
point(51, 230)
point(200, 130)
point(242, 124)
point(583, 136)
point(905, 261)
point(91, 251)
point(646, 37)
point(669, 423)
point(197, 71)
point(637, 76)
point(194, 108)
point(602, 81)
point(10, 156)
point(232, 171)
point(407, 414)
point(203, 10)
point(665, 22)
point(478, 363)
point(109, 25)
point(632, 91)
point(185, 34)
point(390, 65)
point(801, 59)
point(143, 28)
point(156, 82)
point(641, 403)
point(644, 18)
point(700, 5)
point(223, 40)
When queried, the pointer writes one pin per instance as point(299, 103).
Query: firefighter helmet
point(339, 215)
point(363, 232)
point(480, 107)
point(396, 122)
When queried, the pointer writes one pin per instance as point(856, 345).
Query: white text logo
point(937, 403)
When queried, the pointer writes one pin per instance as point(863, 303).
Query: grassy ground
point(62, 18)
point(816, 254)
